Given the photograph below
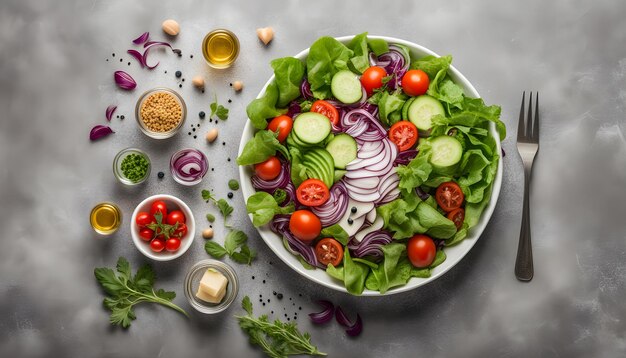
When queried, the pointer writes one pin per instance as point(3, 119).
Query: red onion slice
point(124, 80)
point(142, 38)
point(325, 315)
point(100, 131)
point(109, 112)
point(352, 330)
point(188, 166)
point(335, 207)
point(138, 56)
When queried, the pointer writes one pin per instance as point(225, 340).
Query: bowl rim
point(171, 132)
point(144, 248)
point(465, 246)
point(233, 283)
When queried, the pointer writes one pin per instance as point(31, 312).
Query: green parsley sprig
point(220, 111)
point(221, 204)
point(234, 246)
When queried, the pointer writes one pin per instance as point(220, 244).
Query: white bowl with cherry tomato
point(162, 227)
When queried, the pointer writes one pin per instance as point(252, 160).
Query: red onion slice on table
point(325, 315)
point(109, 112)
point(100, 131)
point(124, 80)
point(142, 38)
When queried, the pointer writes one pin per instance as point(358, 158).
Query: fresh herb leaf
point(125, 291)
point(244, 256)
point(206, 195)
point(277, 339)
point(210, 217)
point(233, 184)
point(225, 208)
point(220, 111)
point(221, 204)
point(235, 240)
point(214, 249)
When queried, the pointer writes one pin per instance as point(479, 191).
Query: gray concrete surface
point(55, 84)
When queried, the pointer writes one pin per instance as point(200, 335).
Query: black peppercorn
point(230, 101)
point(180, 86)
point(353, 210)
point(195, 136)
point(279, 296)
point(350, 221)
point(230, 196)
point(178, 74)
point(122, 117)
point(202, 114)
point(161, 175)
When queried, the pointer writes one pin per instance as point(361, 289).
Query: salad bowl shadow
point(454, 253)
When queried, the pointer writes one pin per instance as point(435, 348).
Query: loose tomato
point(157, 206)
point(312, 192)
point(329, 251)
point(146, 234)
point(181, 230)
point(421, 251)
point(157, 245)
point(415, 82)
point(172, 244)
point(283, 125)
point(326, 109)
point(144, 219)
point(457, 216)
point(372, 79)
point(268, 169)
point(305, 225)
point(403, 134)
point(449, 196)
point(176, 216)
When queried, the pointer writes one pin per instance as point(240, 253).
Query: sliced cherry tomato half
point(329, 251)
point(457, 216)
point(146, 234)
point(268, 169)
point(305, 225)
point(415, 82)
point(157, 206)
point(157, 245)
point(421, 251)
point(283, 125)
point(143, 219)
point(404, 134)
point(372, 79)
point(312, 192)
point(172, 244)
point(176, 216)
point(449, 196)
point(181, 230)
point(326, 109)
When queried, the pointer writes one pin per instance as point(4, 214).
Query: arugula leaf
point(219, 110)
point(260, 148)
point(288, 74)
point(360, 61)
point(337, 232)
point(327, 56)
point(264, 207)
point(260, 109)
point(125, 291)
point(277, 339)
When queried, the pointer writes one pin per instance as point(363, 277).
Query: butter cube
point(208, 298)
point(213, 283)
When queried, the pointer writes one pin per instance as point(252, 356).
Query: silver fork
point(527, 146)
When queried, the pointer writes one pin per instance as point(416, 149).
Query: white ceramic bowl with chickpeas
point(160, 112)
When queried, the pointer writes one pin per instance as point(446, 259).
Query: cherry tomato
point(144, 219)
point(403, 134)
point(157, 245)
point(176, 216)
point(305, 225)
point(372, 79)
point(181, 230)
point(268, 169)
point(172, 244)
point(449, 196)
point(415, 82)
point(283, 125)
point(421, 251)
point(326, 109)
point(457, 216)
point(157, 206)
point(312, 192)
point(329, 251)
point(146, 234)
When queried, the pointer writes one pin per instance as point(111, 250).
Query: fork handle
point(524, 262)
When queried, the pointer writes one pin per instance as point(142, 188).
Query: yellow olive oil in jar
point(105, 218)
point(220, 48)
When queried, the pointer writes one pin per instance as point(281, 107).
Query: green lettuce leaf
point(390, 107)
point(337, 232)
point(263, 207)
point(353, 274)
point(432, 65)
point(288, 72)
point(360, 61)
point(327, 56)
point(260, 148)
point(260, 109)
point(378, 46)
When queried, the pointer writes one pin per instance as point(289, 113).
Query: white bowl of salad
point(369, 164)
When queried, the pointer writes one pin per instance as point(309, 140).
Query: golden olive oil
point(105, 218)
point(220, 48)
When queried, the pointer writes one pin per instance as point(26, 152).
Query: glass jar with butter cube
point(211, 286)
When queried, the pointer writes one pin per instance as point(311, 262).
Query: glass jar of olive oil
point(220, 48)
point(105, 218)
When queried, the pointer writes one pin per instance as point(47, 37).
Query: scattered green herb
point(235, 240)
point(220, 111)
point(124, 291)
point(233, 184)
point(134, 167)
point(277, 339)
point(221, 204)
point(210, 217)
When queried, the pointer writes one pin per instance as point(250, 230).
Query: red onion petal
point(124, 80)
point(325, 315)
point(142, 38)
point(352, 330)
point(138, 56)
point(109, 112)
point(100, 131)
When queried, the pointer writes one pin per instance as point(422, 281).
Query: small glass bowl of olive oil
point(220, 48)
point(105, 218)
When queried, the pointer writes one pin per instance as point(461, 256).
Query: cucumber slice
point(346, 87)
point(338, 175)
point(405, 107)
point(343, 150)
point(422, 109)
point(446, 153)
point(311, 127)
point(320, 165)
